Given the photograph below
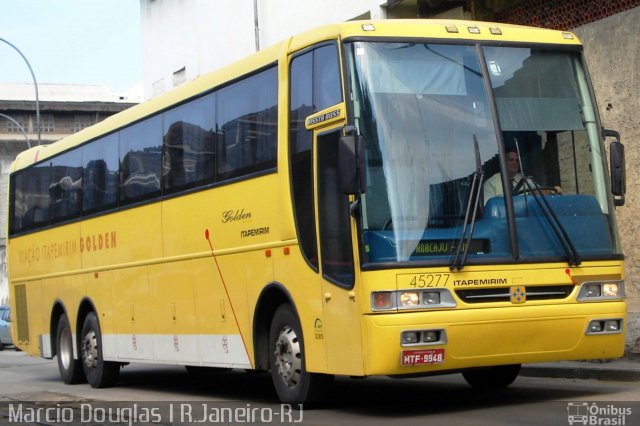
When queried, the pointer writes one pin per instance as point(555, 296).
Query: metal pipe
point(35, 85)
point(19, 127)
point(256, 24)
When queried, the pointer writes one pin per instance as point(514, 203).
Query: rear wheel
point(100, 373)
point(291, 380)
point(492, 377)
point(70, 368)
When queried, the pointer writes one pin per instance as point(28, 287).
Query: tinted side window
point(247, 118)
point(326, 77)
point(141, 160)
point(31, 199)
point(65, 190)
point(100, 174)
point(333, 210)
point(189, 144)
point(301, 157)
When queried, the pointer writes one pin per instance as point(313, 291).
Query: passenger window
point(247, 118)
point(100, 174)
point(31, 199)
point(141, 160)
point(189, 144)
point(65, 191)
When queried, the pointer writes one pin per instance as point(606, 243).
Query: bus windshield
point(433, 160)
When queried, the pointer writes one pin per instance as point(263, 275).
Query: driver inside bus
point(493, 186)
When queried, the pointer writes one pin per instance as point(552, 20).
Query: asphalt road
point(152, 394)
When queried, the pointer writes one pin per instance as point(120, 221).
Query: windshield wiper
point(460, 257)
point(573, 258)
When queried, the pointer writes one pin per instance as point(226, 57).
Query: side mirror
point(617, 164)
point(351, 162)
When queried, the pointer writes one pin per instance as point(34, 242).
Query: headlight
point(431, 297)
point(611, 290)
point(596, 291)
point(411, 299)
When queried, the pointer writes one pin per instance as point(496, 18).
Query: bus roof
point(398, 28)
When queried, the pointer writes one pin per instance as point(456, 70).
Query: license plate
point(422, 357)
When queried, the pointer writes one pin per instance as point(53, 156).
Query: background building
point(64, 109)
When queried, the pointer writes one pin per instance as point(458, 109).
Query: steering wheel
point(388, 225)
point(520, 188)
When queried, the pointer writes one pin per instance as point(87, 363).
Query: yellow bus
point(368, 198)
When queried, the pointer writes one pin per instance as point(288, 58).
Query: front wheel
point(493, 377)
point(100, 373)
point(70, 369)
point(291, 380)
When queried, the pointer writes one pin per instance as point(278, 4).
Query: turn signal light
point(382, 300)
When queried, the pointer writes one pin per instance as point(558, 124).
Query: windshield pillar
point(514, 248)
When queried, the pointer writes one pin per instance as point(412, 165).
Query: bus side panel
point(99, 293)
point(48, 252)
point(122, 238)
point(28, 316)
point(131, 338)
point(220, 342)
point(237, 222)
point(70, 290)
point(172, 293)
point(303, 284)
point(185, 221)
point(257, 267)
point(34, 261)
point(230, 217)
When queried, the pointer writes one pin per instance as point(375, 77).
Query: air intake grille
point(21, 317)
point(502, 294)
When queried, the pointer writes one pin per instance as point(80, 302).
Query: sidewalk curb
point(628, 371)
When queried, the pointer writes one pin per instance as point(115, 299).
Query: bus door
point(317, 114)
point(340, 298)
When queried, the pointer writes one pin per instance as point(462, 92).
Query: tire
point(70, 369)
point(1, 345)
point(493, 377)
point(99, 373)
point(292, 382)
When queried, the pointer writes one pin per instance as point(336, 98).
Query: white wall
point(203, 35)
point(281, 18)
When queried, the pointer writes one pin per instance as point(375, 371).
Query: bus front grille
point(503, 294)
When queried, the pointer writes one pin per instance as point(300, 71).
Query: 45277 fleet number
point(428, 280)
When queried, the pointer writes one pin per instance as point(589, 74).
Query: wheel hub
point(288, 357)
point(90, 349)
point(65, 348)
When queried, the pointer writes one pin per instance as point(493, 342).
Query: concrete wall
point(183, 39)
point(7, 154)
point(612, 50)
